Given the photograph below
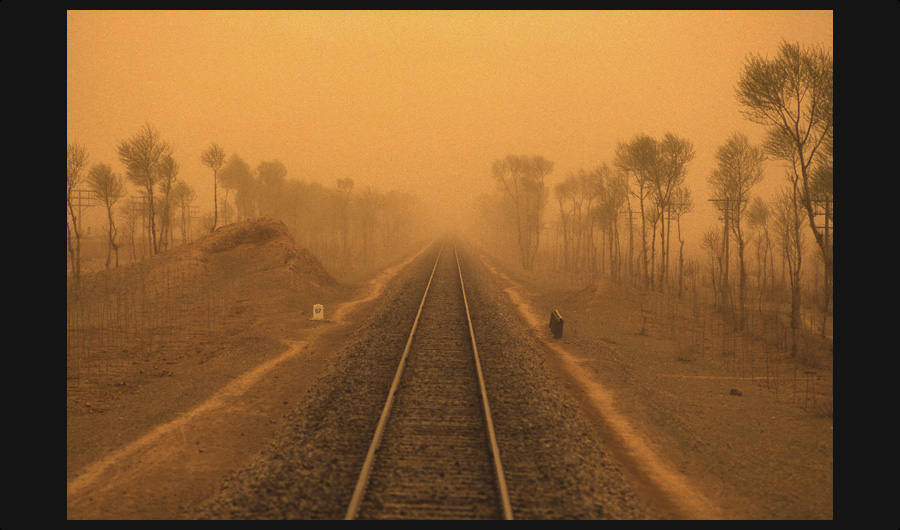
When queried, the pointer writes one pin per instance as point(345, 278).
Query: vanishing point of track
point(434, 453)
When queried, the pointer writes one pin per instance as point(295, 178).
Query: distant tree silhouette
point(658, 168)
point(168, 174)
point(213, 158)
point(522, 177)
point(674, 154)
point(183, 197)
point(345, 188)
point(108, 188)
point(637, 158)
point(142, 156)
point(237, 176)
point(739, 169)
point(271, 177)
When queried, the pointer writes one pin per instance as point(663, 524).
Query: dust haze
point(228, 172)
point(420, 102)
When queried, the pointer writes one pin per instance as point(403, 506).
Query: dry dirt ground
point(154, 438)
point(150, 438)
point(701, 436)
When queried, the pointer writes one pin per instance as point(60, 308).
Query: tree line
point(641, 195)
point(341, 227)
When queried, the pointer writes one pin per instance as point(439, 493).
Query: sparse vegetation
point(690, 218)
point(769, 322)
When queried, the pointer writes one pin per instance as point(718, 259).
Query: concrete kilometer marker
point(318, 312)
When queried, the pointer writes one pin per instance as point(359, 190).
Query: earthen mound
point(267, 238)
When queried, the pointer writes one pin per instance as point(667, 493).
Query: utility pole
point(78, 201)
point(825, 208)
point(81, 201)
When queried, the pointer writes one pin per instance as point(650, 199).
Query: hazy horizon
point(416, 101)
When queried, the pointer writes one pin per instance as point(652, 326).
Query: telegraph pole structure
point(82, 200)
point(193, 213)
point(825, 208)
point(78, 201)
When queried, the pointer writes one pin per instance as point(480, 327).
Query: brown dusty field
point(161, 410)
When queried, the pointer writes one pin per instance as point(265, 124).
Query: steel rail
point(360, 489)
point(495, 448)
point(365, 473)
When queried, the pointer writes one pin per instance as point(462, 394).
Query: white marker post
point(318, 312)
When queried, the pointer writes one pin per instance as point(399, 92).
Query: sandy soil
point(692, 448)
point(700, 440)
point(211, 411)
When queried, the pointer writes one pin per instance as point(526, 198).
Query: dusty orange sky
point(417, 101)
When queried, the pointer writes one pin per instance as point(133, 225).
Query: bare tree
point(581, 193)
point(615, 203)
point(129, 217)
point(658, 168)
point(345, 188)
point(142, 156)
point(790, 237)
point(522, 177)
point(674, 155)
point(237, 176)
point(563, 192)
point(682, 203)
point(168, 173)
point(638, 158)
point(213, 158)
point(712, 243)
point(108, 188)
point(793, 96)
point(183, 197)
point(758, 216)
point(76, 162)
point(739, 169)
point(271, 184)
point(594, 191)
point(368, 206)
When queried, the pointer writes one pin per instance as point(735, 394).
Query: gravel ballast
point(555, 464)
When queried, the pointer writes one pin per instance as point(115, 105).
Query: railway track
point(434, 453)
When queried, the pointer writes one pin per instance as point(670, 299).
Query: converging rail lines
point(434, 453)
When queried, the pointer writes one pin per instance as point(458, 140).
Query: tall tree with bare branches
point(638, 158)
point(739, 169)
point(792, 95)
point(670, 170)
point(236, 176)
point(183, 197)
point(522, 178)
point(345, 189)
point(791, 239)
point(563, 192)
point(758, 216)
point(142, 156)
point(682, 203)
point(271, 177)
point(108, 188)
point(168, 174)
point(213, 158)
